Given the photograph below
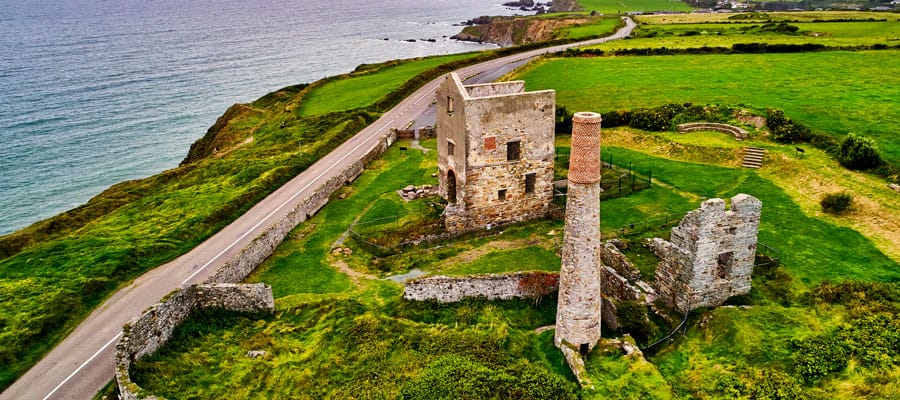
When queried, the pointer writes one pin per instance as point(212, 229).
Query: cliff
point(511, 31)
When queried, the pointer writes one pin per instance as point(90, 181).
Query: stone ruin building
point(710, 255)
point(495, 152)
point(578, 303)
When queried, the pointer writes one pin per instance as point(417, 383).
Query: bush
point(818, 356)
point(836, 203)
point(456, 377)
point(785, 130)
point(858, 152)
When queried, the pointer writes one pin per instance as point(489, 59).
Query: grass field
point(600, 27)
point(694, 35)
point(367, 88)
point(813, 88)
point(623, 6)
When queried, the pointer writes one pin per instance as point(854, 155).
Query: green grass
point(497, 261)
point(616, 6)
point(684, 36)
point(601, 27)
point(367, 88)
point(300, 264)
point(843, 102)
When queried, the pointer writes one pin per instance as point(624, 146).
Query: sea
point(96, 92)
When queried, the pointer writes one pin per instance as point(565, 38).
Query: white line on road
point(83, 365)
point(264, 219)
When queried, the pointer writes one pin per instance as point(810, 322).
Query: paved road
point(79, 366)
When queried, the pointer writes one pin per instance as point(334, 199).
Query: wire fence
point(384, 236)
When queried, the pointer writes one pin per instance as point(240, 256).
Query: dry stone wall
point(148, 332)
point(451, 289)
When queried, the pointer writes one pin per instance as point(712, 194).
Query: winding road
point(83, 362)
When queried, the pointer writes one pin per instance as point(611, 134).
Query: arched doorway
point(451, 186)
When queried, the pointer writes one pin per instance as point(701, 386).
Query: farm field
point(812, 88)
point(623, 6)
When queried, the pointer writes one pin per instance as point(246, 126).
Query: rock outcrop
point(511, 31)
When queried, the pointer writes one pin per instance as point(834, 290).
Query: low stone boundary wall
point(148, 332)
point(738, 133)
point(238, 267)
point(451, 289)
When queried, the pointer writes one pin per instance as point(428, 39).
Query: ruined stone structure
point(495, 152)
point(578, 305)
point(451, 289)
point(147, 332)
point(710, 255)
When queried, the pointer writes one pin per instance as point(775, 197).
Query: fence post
point(632, 181)
point(650, 179)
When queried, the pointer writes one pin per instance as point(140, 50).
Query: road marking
point(83, 365)
point(327, 170)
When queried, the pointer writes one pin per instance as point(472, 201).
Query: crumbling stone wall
point(451, 289)
point(149, 331)
point(495, 153)
point(710, 255)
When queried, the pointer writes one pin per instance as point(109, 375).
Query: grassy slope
point(844, 102)
point(331, 339)
point(365, 89)
point(134, 226)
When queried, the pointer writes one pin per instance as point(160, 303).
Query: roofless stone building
point(495, 152)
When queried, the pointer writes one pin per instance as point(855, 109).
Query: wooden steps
point(753, 157)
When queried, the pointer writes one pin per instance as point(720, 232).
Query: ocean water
point(95, 92)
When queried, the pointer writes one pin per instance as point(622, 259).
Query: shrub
point(784, 129)
point(859, 152)
point(456, 377)
point(836, 203)
point(818, 356)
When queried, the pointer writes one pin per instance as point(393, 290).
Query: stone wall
point(450, 289)
point(710, 255)
point(147, 332)
point(238, 267)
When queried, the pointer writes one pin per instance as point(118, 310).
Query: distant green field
point(833, 92)
point(615, 7)
point(681, 36)
point(600, 27)
point(363, 90)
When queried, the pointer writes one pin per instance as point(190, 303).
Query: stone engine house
point(495, 152)
point(710, 255)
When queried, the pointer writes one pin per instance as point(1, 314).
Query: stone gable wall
point(710, 255)
point(451, 289)
point(147, 332)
